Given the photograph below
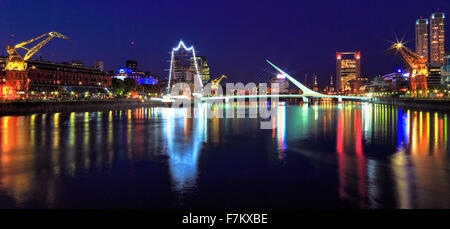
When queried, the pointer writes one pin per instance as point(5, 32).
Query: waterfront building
point(139, 76)
point(434, 78)
point(422, 37)
point(437, 38)
point(46, 76)
point(49, 76)
point(358, 85)
point(378, 84)
point(397, 81)
point(283, 83)
point(445, 71)
point(348, 67)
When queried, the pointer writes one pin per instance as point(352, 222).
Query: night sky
point(236, 36)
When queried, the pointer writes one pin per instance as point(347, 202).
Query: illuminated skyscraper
point(132, 64)
point(184, 69)
point(181, 67)
point(348, 67)
point(203, 67)
point(422, 37)
point(437, 38)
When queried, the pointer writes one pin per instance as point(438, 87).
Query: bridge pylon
point(305, 90)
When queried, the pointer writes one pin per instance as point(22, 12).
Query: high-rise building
point(181, 67)
point(203, 68)
point(348, 67)
point(98, 64)
point(422, 37)
point(434, 78)
point(132, 64)
point(445, 71)
point(437, 38)
point(185, 70)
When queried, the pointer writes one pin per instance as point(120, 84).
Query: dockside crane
point(418, 70)
point(215, 82)
point(18, 63)
point(15, 83)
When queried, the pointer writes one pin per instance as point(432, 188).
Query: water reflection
point(369, 138)
point(184, 144)
point(381, 156)
point(279, 127)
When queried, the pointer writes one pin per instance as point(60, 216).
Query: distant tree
point(140, 88)
point(118, 86)
point(130, 84)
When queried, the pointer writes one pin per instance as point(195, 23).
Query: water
point(350, 155)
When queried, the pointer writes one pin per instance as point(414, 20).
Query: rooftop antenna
point(331, 81)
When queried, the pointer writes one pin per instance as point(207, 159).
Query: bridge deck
point(285, 96)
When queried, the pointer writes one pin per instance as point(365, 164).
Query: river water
point(321, 155)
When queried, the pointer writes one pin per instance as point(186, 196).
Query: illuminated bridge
point(307, 93)
point(306, 96)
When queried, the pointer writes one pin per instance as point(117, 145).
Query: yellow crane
point(16, 61)
point(217, 80)
point(417, 66)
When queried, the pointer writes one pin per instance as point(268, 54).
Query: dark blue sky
point(236, 36)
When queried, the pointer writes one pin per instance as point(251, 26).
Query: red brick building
point(46, 76)
point(43, 74)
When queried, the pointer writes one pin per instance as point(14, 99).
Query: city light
point(181, 44)
point(80, 130)
point(281, 76)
